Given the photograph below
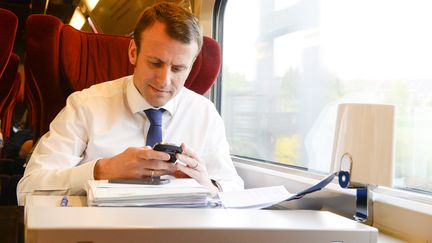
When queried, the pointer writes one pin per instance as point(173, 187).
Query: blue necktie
point(154, 134)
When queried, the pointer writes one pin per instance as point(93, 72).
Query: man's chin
point(158, 102)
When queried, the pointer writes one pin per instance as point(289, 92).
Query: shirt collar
point(137, 103)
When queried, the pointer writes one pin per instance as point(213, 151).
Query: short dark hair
point(180, 24)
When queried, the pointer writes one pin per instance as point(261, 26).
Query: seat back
point(61, 60)
point(10, 171)
point(8, 65)
point(7, 80)
point(8, 28)
point(11, 91)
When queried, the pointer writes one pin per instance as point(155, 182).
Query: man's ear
point(133, 54)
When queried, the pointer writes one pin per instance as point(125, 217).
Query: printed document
point(267, 196)
point(177, 193)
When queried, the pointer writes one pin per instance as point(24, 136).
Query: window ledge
point(405, 216)
point(398, 214)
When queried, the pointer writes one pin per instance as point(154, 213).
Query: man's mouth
point(158, 91)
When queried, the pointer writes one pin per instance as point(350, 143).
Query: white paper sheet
point(254, 198)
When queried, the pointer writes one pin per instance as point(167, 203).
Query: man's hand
point(134, 163)
point(194, 167)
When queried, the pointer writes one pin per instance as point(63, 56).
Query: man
point(101, 133)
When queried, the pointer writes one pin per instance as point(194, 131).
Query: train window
point(288, 63)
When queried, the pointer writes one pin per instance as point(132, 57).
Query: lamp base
point(364, 203)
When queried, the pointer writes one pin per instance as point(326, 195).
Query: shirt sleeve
point(55, 166)
point(220, 166)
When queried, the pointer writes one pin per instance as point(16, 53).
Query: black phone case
point(170, 149)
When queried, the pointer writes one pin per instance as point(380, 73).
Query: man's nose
point(164, 76)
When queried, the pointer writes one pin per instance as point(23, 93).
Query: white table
point(47, 222)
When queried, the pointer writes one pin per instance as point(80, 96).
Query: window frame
point(394, 209)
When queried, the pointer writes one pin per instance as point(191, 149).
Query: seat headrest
point(88, 57)
point(8, 28)
point(206, 67)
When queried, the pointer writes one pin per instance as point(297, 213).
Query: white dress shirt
point(104, 120)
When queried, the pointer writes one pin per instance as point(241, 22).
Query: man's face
point(162, 64)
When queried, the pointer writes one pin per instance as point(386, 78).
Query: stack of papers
point(177, 193)
point(189, 193)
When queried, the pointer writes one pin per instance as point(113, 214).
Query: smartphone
point(145, 181)
point(170, 149)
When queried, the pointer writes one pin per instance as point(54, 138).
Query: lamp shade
point(363, 144)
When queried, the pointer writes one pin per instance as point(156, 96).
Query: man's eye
point(176, 69)
point(155, 63)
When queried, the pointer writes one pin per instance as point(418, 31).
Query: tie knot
point(155, 116)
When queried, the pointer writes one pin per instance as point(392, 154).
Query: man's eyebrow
point(153, 58)
point(179, 66)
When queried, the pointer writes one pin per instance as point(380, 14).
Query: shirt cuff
point(79, 177)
